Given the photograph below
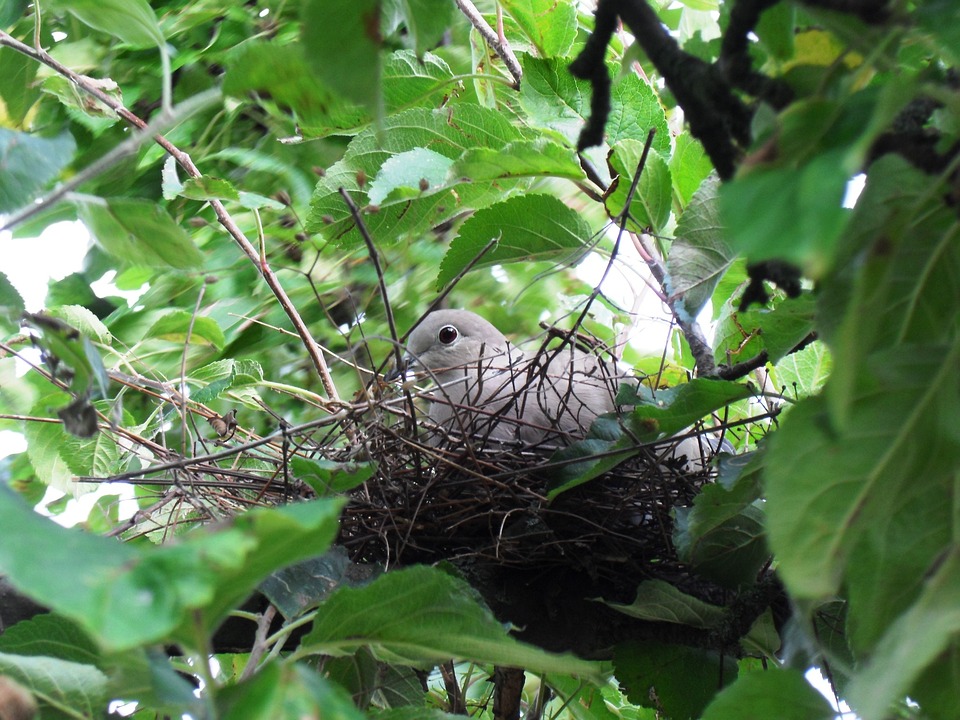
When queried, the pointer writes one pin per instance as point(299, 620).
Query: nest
point(435, 498)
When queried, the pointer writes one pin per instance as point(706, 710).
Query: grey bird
point(485, 388)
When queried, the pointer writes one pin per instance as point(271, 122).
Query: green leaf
point(127, 596)
point(553, 37)
point(425, 21)
point(777, 329)
point(62, 688)
point(533, 158)
point(329, 478)
point(139, 232)
point(409, 81)
point(552, 98)
point(208, 188)
point(282, 71)
point(722, 536)
point(689, 166)
point(447, 133)
point(442, 619)
point(133, 21)
point(652, 202)
point(342, 42)
point(699, 255)
point(179, 325)
point(408, 175)
point(659, 601)
point(286, 691)
point(11, 306)
point(677, 681)
point(17, 73)
point(81, 319)
point(223, 375)
point(607, 444)
point(775, 693)
point(788, 213)
point(28, 163)
point(527, 227)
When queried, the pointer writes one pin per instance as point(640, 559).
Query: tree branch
point(184, 160)
point(497, 43)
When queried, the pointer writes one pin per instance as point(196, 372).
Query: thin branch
point(224, 217)
point(500, 47)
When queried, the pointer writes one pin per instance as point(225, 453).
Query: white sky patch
point(30, 263)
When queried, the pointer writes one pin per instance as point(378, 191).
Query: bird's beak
point(406, 363)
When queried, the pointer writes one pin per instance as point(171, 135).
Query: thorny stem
point(224, 217)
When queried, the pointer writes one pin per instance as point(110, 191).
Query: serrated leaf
point(777, 329)
point(11, 306)
point(551, 38)
point(541, 157)
point(59, 684)
point(689, 166)
point(659, 601)
point(140, 233)
point(329, 478)
point(699, 255)
point(443, 619)
point(652, 202)
point(449, 133)
point(177, 325)
point(413, 172)
point(81, 319)
point(27, 163)
point(527, 227)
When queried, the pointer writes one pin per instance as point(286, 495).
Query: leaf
point(178, 326)
point(689, 166)
point(699, 255)
point(425, 21)
point(552, 98)
point(677, 681)
point(777, 329)
point(342, 42)
point(28, 163)
point(285, 691)
point(527, 227)
point(59, 685)
point(775, 693)
point(441, 619)
point(412, 81)
point(534, 158)
point(651, 204)
point(11, 306)
point(607, 444)
point(208, 188)
point(140, 233)
point(329, 478)
point(408, 175)
point(553, 37)
point(659, 601)
point(788, 213)
point(127, 596)
point(283, 71)
point(133, 21)
point(447, 133)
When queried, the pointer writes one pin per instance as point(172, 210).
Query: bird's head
point(449, 343)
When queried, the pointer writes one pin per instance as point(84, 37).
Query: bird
point(488, 390)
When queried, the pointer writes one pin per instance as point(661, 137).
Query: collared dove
point(488, 389)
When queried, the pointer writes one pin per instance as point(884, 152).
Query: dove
point(486, 388)
point(490, 389)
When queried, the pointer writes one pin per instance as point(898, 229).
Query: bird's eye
point(447, 334)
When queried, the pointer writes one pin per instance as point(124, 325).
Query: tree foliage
point(286, 185)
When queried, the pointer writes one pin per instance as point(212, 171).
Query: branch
point(496, 42)
point(184, 160)
point(589, 65)
point(735, 62)
point(717, 117)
